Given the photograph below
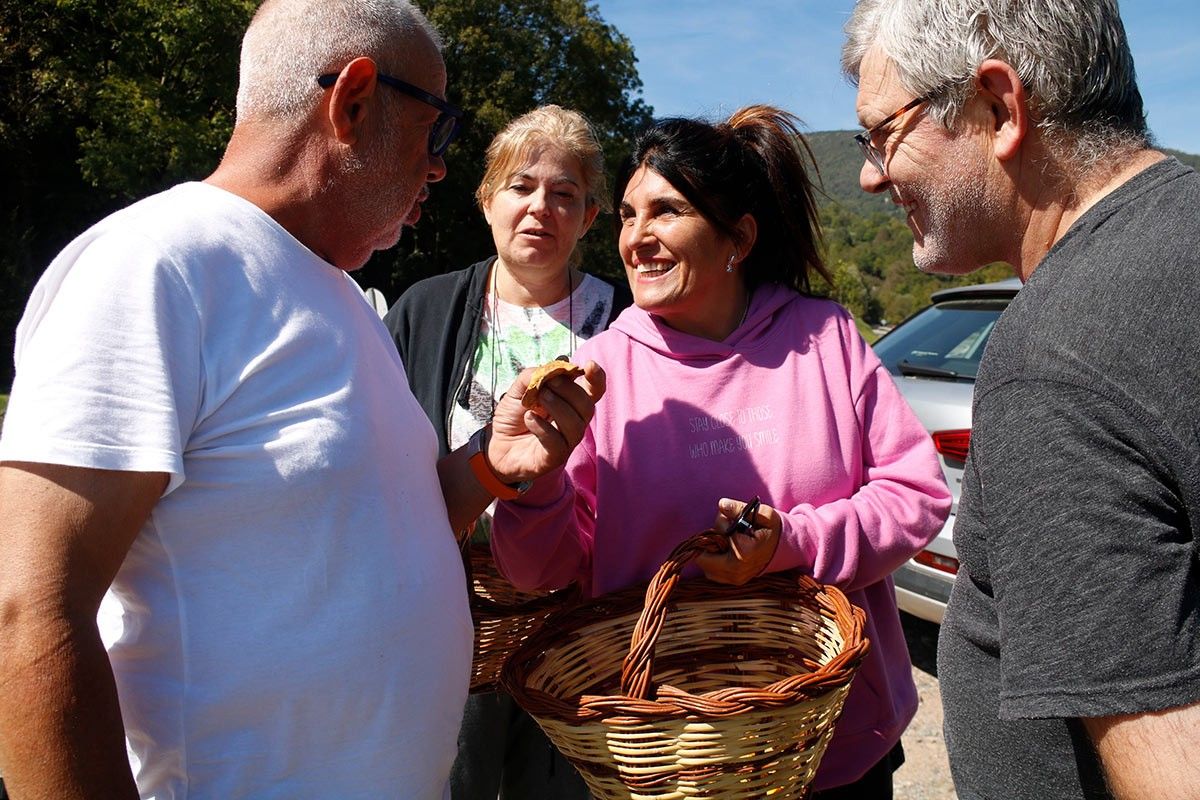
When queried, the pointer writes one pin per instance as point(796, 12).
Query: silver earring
point(729, 265)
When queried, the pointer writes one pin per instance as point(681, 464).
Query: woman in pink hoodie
point(727, 380)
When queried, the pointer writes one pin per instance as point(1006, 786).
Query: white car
point(933, 357)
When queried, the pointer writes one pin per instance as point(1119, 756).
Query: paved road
point(926, 772)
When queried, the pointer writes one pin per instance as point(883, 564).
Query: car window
point(942, 341)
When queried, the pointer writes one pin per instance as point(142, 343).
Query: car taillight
point(939, 562)
point(953, 444)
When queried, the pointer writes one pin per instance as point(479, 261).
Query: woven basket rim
point(675, 703)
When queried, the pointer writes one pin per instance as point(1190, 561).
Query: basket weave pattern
point(724, 691)
point(503, 616)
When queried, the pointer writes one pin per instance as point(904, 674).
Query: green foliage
point(124, 96)
point(865, 331)
point(102, 102)
point(505, 58)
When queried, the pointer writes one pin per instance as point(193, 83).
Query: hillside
point(839, 161)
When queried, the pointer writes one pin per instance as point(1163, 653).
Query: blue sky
point(708, 57)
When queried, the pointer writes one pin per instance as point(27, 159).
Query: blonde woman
point(465, 335)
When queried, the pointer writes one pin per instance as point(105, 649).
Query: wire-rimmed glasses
point(870, 152)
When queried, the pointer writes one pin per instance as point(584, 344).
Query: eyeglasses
point(448, 124)
point(870, 152)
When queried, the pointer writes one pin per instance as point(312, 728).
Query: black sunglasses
point(448, 124)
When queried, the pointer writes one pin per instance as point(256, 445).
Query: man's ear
point(350, 98)
point(1001, 89)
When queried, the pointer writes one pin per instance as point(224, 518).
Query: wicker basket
point(734, 694)
point(503, 616)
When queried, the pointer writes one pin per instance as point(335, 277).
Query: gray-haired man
point(209, 417)
point(1013, 130)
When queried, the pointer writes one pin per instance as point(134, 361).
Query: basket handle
point(638, 667)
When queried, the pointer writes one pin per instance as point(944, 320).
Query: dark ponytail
point(753, 164)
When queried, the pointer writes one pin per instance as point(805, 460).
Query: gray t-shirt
point(1079, 594)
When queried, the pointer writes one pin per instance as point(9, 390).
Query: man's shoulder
point(1133, 255)
point(1161, 197)
point(189, 224)
point(181, 204)
point(1110, 309)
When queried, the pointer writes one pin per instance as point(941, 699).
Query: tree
point(107, 101)
point(852, 289)
point(504, 58)
point(103, 101)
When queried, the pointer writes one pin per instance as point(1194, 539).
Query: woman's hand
point(749, 553)
point(524, 444)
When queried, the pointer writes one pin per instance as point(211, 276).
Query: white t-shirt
point(293, 621)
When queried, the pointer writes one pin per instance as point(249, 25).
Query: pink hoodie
point(793, 407)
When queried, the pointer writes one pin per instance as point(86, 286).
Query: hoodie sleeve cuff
point(545, 491)
point(794, 549)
